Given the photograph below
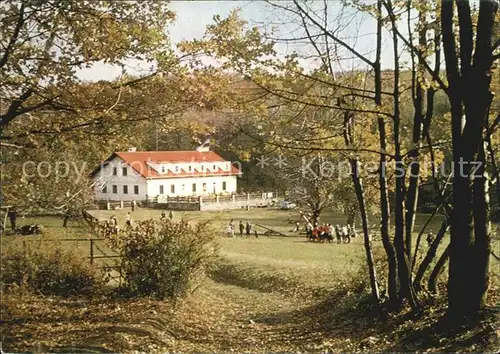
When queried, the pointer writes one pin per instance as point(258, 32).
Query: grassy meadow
point(266, 294)
point(266, 262)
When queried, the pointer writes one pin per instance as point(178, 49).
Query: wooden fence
point(231, 201)
point(98, 256)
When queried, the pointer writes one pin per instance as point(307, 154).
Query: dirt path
point(222, 317)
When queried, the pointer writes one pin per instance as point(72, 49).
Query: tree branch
point(335, 38)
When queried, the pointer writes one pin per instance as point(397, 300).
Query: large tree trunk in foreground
point(469, 93)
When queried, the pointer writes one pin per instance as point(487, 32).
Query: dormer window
point(214, 167)
point(202, 167)
point(190, 168)
point(162, 169)
point(176, 168)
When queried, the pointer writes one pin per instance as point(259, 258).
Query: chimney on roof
point(132, 149)
point(205, 146)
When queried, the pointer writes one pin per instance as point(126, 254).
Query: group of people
point(243, 227)
point(164, 216)
point(325, 233)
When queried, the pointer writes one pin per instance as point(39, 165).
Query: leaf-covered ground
point(221, 317)
point(268, 295)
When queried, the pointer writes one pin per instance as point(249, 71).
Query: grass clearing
point(269, 294)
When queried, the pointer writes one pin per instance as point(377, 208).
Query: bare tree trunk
point(65, 220)
point(316, 213)
point(360, 196)
point(438, 269)
point(496, 176)
point(482, 231)
point(418, 104)
point(430, 255)
point(470, 243)
point(392, 278)
point(461, 225)
point(406, 290)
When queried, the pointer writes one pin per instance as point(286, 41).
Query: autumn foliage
point(165, 259)
point(48, 268)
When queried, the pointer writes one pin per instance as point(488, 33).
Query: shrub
point(164, 259)
point(48, 268)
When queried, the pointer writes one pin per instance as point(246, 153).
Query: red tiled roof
point(171, 156)
point(139, 160)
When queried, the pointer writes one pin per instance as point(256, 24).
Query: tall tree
point(468, 68)
point(46, 43)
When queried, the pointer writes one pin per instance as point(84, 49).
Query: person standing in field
point(242, 228)
point(230, 229)
point(249, 228)
point(430, 238)
point(338, 233)
point(171, 215)
point(128, 219)
point(345, 234)
point(13, 218)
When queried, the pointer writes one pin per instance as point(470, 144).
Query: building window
point(176, 168)
point(125, 189)
point(162, 169)
point(190, 168)
point(104, 189)
point(115, 171)
point(183, 187)
point(203, 167)
point(136, 189)
point(161, 189)
point(214, 167)
point(224, 186)
point(115, 189)
point(172, 188)
point(204, 187)
point(124, 170)
point(194, 187)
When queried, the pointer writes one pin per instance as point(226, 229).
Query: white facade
point(131, 186)
point(191, 186)
point(117, 180)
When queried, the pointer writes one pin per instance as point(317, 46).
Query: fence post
point(91, 251)
point(201, 201)
point(233, 197)
point(121, 204)
point(217, 199)
point(108, 205)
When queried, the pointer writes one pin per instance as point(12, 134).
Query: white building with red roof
point(137, 175)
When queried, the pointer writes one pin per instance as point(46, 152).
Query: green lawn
point(272, 218)
point(268, 256)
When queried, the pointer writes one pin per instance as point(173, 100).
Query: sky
point(194, 16)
